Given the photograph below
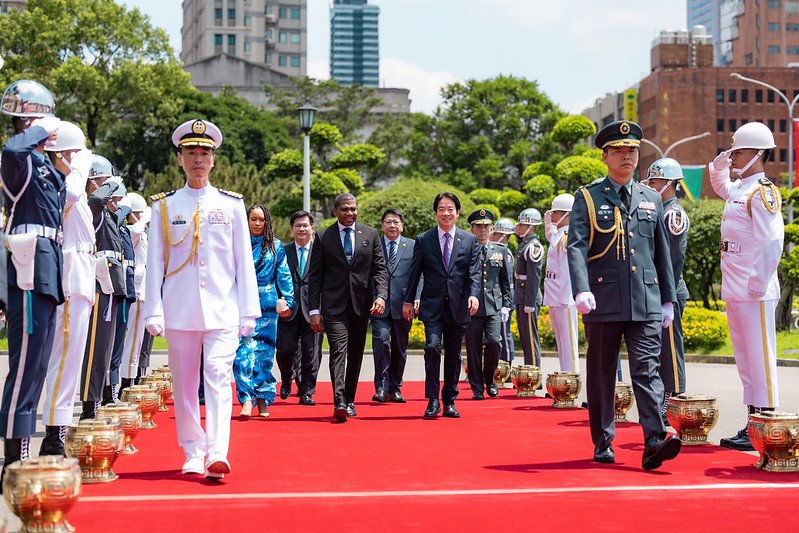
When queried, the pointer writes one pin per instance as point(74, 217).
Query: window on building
point(758, 96)
point(268, 58)
point(231, 44)
point(773, 49)
point(247, 46)
point(218, 16)
point(770, 98)
point(269, 35)
point(282, 12)
point(792, 7)
point(732, 96)
point(792, 27)
point(231, 17)
point(771, 156)
point(744, 121)
point(720, 96)
point(282, 61)
point(783, 155)
point(218, 43)
point(295, 13)
point(792, 50)
point(783, 125)
point(773, 4)
point(770, 124)
point(749, 58)
point(757, 21)
point(732, 125)
point(248, 21)
point(773, 26)
point(295, 61)
point(282, 37)
point(294, 37)
point(744, 96)
point(720, 125)
point(268, 9)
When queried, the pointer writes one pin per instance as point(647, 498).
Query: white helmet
point(27, 98)
point(101, 168)
point(530, 216)
point(504, 226)
point(665, 168)
point(70, 137)
point(563, 202)
point(753, 135)
point(136, 202)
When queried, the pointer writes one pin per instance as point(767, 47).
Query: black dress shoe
point(478, 396)
point(351, 410)
point(285, 391)
point(380, 396)
point(340, 413)
point(739, 442)
point(659, 449)
point(396, 397)
point(493, 390)
point(450, 411)
point(307, 399)
point(433, 408)
point(604, 455)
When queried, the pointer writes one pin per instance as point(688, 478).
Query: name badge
point(219, 216)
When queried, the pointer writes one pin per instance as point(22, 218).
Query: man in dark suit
point(390, 329)
point(294, 333)
point(484, 332)
point(347, 260)
point(449, 260)
point(622, 280)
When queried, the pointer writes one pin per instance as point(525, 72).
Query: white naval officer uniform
point(133, 337)
point(558, 297)
point(72, 317)
point(752, 233)
point(209, 288)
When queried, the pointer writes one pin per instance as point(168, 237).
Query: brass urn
point(502, 373)
point(164, 386)
point(623, 401)
point(41, 490)
point(96, 444)
point(775, 435)
point(692, 416)
point(564, 387)
point(465, 367)
point(148, 399)
point(526, 379)
point(165, 372)
point(130, 416)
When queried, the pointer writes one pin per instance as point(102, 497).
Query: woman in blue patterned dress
point(255, 357)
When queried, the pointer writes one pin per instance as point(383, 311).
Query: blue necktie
point(447, 249)
point(392, 253)
point(303, 255)
point(348, 245)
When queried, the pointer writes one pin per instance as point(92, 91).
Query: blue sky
point(577, 50)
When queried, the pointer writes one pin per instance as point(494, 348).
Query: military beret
point(197, 133)
point(619, 133)
point(481, 216)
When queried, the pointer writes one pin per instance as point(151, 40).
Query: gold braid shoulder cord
point(169, 242)
point(618, 227)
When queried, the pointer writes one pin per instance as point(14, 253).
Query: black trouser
point(299, 352)
point(449, 333)
point(483, 336)
point(643, 346)
point(120, 329)
point(390, 350)
point(346, 334)
point(672, 353)
point(528, 335)
point(144, 353)
point(99, 343)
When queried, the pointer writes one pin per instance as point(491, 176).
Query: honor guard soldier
point(664, 176)
point(110, 286)
point(527, 290)
point(502, 230)
point(201, 292)
point(752, 234)
point(557, 283)
point(484, 332)
point(623, 285)
point(71, 157)
point(138, 220)
point(34, 196)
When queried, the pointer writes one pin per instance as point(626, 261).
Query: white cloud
point(319, 69)
point(425, 86)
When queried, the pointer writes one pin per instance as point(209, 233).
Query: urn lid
point(43, 463)
point(776, 415)
point(688, 398)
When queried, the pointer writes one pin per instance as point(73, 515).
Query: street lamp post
point(790, 104)
point(306, 113)
point(675, 143)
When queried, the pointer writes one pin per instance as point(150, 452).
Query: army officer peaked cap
point(619, 133)
point(481, 216)
point(197, 133)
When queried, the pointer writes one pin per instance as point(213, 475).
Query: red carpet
point(507, 463)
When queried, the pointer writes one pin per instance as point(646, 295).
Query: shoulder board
point(764, 181)
point(237, 195)
point(596, 181)
point(161, 195)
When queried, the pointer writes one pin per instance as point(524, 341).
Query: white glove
point(155, 325)
point(528, 310)
point(246, 327)
point(668, 314)
point(504, 313)
point(50, 124)
point(721, 163)
point(756, 294)
point(585, 302)
point(81, 162)
point(550, 228)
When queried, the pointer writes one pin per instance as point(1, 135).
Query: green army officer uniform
point(622, 282)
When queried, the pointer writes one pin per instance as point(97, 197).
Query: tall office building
point(354, 48)
point(749, 32)
point(272, 33)
point(8, 5)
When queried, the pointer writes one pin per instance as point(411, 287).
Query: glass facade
point(354, 46)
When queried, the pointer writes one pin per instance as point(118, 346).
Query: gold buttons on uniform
point(631, 234)
point(633, 268)
point(202, 263)
point(599, 279)
point(202, 284)
point(655, 280)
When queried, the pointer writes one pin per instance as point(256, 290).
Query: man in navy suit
point(296, 328)
point(346, 262)
point(449, 260)
point(390, 329)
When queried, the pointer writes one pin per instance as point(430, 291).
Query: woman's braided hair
point(268, 242)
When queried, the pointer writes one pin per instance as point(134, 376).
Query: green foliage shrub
point(704, 329)
point(485, 196)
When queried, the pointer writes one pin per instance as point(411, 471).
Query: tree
point(578, 170)
point(702, 270)
point(570, 130)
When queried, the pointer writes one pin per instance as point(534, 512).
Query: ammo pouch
point(103, 275)
point(23, 253)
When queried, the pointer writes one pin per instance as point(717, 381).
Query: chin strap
point(751, 162)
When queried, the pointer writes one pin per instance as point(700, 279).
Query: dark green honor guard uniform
point(527, 289)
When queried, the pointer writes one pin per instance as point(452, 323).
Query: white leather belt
point(109, 253)
point(54, 234)
point(521, 276)
point(84, 247)
point(129, 263)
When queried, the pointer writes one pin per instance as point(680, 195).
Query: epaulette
point(236, 195)
point(161, 195)
point(769, 195)
point(596, 181)
point(764, 181)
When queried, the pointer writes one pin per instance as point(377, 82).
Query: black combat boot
point(53, 442)
point(741, 439)
point(14, 450)
point(126, 382)
point(89, 410)
point(106, 395)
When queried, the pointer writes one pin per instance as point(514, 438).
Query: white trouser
point(66, 358)
point(754, 344)
point(218, 349)
point(129, 368)
point(564, 323)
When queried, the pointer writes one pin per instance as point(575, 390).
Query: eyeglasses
point(392, 222)
point(301, 226)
